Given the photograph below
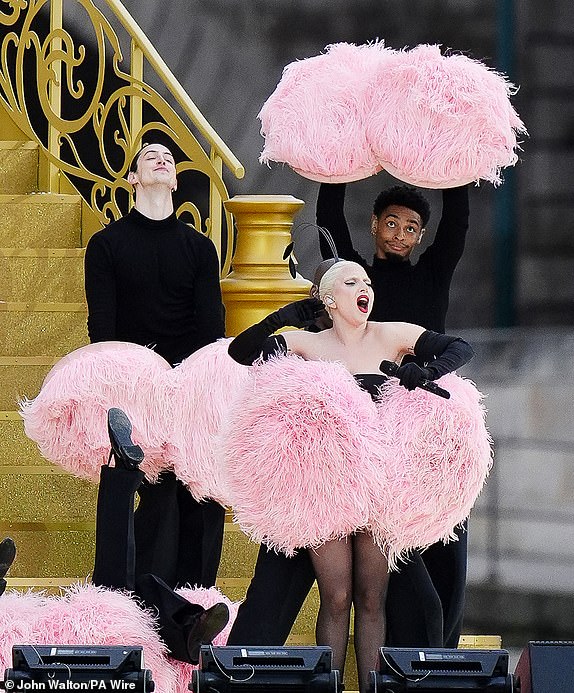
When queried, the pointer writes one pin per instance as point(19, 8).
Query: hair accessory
point(288, 252)
point(326, 235)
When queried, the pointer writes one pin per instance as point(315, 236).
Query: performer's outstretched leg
point(370, 579)
point(333, 565)
point(184, 626)
point(114, 564)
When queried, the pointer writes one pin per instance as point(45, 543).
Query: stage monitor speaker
point(266, 669)
point(75, 667)
point(546, 666)
point(403, 669)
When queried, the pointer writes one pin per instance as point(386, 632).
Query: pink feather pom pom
point(439, 121)
point(205, 597)
point(315, 119)
point(90, 615)
point(68, 418)
point(202, 389)
point(298, 470)
point(83, 615)
point(18, 615)
point(441, 458)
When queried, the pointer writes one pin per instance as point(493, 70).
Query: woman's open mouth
point(363, 304)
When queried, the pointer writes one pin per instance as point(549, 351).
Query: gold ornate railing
point(65, 83)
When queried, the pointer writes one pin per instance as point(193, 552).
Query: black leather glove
point(297, 314)
point(410, 375)
point(247, 346)
point(441, 353)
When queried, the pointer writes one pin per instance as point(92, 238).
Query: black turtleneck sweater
point(154, 283)
point(404, 292)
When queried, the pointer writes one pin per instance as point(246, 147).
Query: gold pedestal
point(260, 281)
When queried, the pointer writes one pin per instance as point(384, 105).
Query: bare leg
point(370, 579)
point(332, 563)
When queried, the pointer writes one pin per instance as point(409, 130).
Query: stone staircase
point(42, 317)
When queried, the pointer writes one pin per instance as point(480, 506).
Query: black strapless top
point(371, 382)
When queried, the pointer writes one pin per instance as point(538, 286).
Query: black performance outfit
point(425, 600)
point(182, 625)
point(156, 283)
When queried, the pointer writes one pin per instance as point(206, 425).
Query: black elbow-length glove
point(442, 355)
point(247, 346)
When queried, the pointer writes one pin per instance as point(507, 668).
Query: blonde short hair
point(330, 277)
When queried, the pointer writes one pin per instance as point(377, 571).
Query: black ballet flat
point(126, 453)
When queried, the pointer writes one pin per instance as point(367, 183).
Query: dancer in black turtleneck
point(152, 280)
point(155, 283)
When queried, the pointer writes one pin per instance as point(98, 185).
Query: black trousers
point(171, 535)
point(176, 537)
point(425, 600)
point(115, 561)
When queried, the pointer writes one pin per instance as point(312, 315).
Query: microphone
point(391, 368)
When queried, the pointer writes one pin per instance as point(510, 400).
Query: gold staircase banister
point(88, 130)
point(169, 79)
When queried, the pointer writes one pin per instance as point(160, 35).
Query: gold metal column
point(260, 281)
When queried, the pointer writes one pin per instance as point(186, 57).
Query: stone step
point(42, 329)
point(16, 449)
point(38, 493)
point(42, 275)
point(60, 554)
point(18, 167)
point(40, 220)
point(21, 377)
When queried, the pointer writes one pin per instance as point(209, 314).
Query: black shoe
point(126, 453)
point(7, 556)
point(208, 624)
point(183, 626)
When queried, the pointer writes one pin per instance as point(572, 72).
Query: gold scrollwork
point(16, 6)
point(54, 77)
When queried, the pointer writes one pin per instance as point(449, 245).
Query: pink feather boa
point(431, 120)
point(310, 458)
point(202, 389)
point(176, 412)
point(455, 123)
point(83, 615)
point(89, 615)
point(68, 418)
point(441, 456)
point(298, 449)
point(295, 452)
point(314, 120)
